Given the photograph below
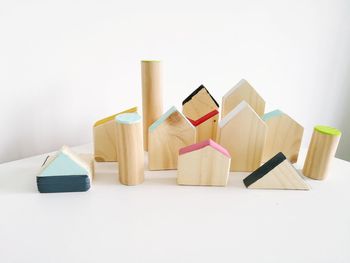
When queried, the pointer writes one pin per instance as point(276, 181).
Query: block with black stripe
point(277, 173)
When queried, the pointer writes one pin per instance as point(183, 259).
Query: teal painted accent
point(128, 118)
point(162, 119)
point(271, 114)
point(63, 165)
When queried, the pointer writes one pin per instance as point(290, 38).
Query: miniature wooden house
point(201, 109)
point(65, 172)
point(243, 133)
point(203, 163)
point(277, 173)
point(104, 133)
point(242, 91)
point(284, 135)
point(167, 135)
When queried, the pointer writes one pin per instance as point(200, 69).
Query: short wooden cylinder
point(130, 149)
point(322, 149)
point(152, 98)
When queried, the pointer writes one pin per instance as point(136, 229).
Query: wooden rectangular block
point(205, 163)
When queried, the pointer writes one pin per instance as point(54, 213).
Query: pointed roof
point(269, 176)
point(165, 116)
point(194, 93)
point(271, 114)
point(203, 144)
point(112, 117)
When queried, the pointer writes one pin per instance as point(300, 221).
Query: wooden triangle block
point(277, 173)
point(201, 109)
point(104, 132)
point(243, 133)
point(167, 135)
point(284, 135)
point(242, 91)
point(204, 163)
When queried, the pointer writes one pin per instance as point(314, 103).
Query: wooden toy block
point(202, 110)
point(277, 173)
point(152, 100)
point(243, 133)
point(130, 148)
point(242, 91)
point(104, 133)
point(284, 135)
point(203, 163)
point(323, 146)
point(65, 172)
point(167, 135)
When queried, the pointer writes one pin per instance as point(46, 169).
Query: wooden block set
point(203, 146)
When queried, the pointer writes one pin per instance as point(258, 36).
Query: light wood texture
point(198, 104)
point(206, 127)
point(284, 176)
point(242, 91)
point(152, 95)
point(166, 137)
point(284, 135)
point(243, 133)
point(104, 137)
point(88, 159)
point(206, 166)
point(320, 154)
point(130, 151)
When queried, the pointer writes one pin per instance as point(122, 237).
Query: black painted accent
point(65, 183)
point(195, 92)
point(264, 169)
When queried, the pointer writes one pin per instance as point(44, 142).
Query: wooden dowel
point(130, 148)
point(152, 100)
point(322, 149)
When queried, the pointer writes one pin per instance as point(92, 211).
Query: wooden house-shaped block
point(167, 135)
point(242, 91)
point(203, 163)
point(277, 173)
point(104, 133)
point(65, 172)
point(243, 133)
point(284, 135)
point(201, 109)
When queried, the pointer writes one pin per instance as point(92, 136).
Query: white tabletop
point(160, 221)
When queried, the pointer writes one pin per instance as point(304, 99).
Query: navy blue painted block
point(66, 183)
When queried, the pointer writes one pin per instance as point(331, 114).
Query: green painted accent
point(327, 130)
point(150, 60)
point(162, 119)
point(271, 114)
point(128, 118)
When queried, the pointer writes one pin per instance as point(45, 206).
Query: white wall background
point(65, 64)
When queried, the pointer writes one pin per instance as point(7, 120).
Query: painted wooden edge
point(194, 94)
point(327, 130)
point(150, 61)
point(112, 117)
point(128, 118)
point(272, 114)
point(203, 118)
point(201, 145)
point(264, 169)
point(164, 117)
point(233, 113)
point(235, 87)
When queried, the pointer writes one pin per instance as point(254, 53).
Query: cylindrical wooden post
point(152, 98)
point(324, 143)
point(130, 148)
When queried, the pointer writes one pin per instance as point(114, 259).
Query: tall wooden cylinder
point(152, 97)
point(130, 148)
point(324, 143)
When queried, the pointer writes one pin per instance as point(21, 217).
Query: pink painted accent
point(200, 145)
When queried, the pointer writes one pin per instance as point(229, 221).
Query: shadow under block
point(284, 135)
point(104, 132)
point(243, 133)
point(322, 149)
point(205, 163)
point(130, 148)
point(167, 135)
point(65, 172)
point(242, 91)
point(206, 126)
point(152, 96)
point(277, 173)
